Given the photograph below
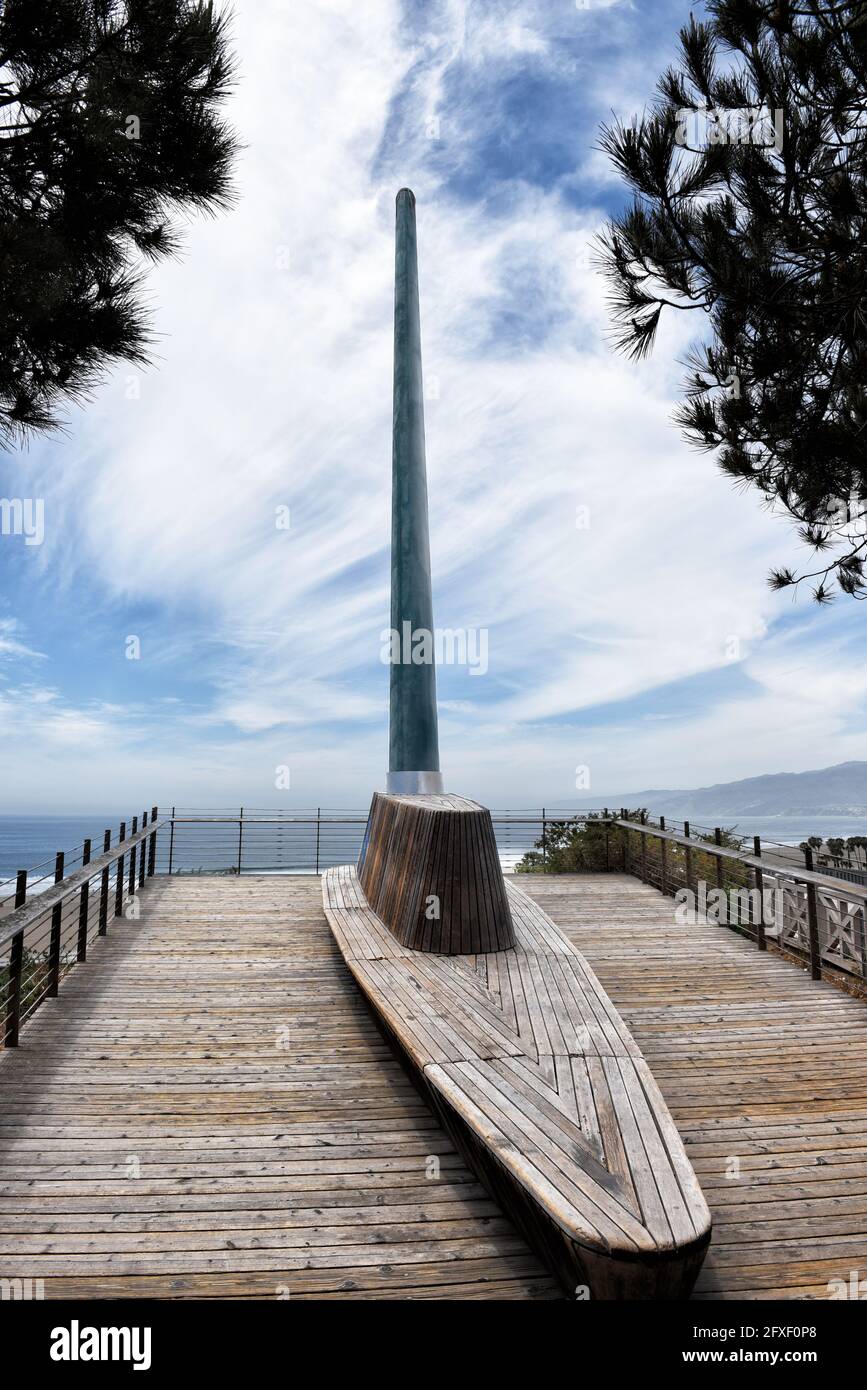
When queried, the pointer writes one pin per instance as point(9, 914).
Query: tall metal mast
point(413, 762)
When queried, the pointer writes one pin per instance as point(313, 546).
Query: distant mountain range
point(829, 791)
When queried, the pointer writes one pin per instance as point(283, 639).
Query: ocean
point(31, 842)
point(785, 830)
point(27, 840)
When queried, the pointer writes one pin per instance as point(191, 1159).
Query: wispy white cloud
point(11, 646)
point(607, 561)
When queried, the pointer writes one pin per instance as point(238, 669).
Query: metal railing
point(44, 934)
point(45, 927)
point(51, 911)
point(250, 840)
point(815, 916)
point(794, 855)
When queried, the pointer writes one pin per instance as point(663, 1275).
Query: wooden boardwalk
point(765, 1074)
point(208, 1111)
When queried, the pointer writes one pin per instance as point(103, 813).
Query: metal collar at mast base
point(414, 784)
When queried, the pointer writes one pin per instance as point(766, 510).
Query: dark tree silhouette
point(109, 124)
point(754, 214)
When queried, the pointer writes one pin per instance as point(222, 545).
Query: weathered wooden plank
point(208, 1110)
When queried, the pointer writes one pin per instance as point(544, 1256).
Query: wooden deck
point(763, 1070)
point(207, 1110)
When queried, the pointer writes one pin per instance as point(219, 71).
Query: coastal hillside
point(829, 791)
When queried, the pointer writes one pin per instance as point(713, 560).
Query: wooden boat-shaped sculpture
point(501, 1022)
point(523, 1056)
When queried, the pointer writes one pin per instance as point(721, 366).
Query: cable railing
point(251, 840)
point(311, 840)
point(779, 851)
point(812, 915)
point(40, 875)
point(44, 933)
point(56, 908)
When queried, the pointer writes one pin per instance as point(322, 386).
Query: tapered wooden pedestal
point(430, 870)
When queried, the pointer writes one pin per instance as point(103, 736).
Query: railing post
point(83, 905)
point(16, 965)
point(544, 838)
point(118, 882)
point(54, 940)
point(643, 857)
point(760, 896)
point(152, 843)
point(813, 923)
point(172, 842)
point(813, 919)
point(240, 838)
point(687, 858)
point(132, 855)
point(103, 888)
point(318, 819)
point(142, 865)
point(663, 862)
point(717, 835)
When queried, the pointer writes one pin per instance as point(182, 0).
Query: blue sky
point(641, 645)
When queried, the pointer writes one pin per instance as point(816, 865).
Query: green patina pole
point(413, 742)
